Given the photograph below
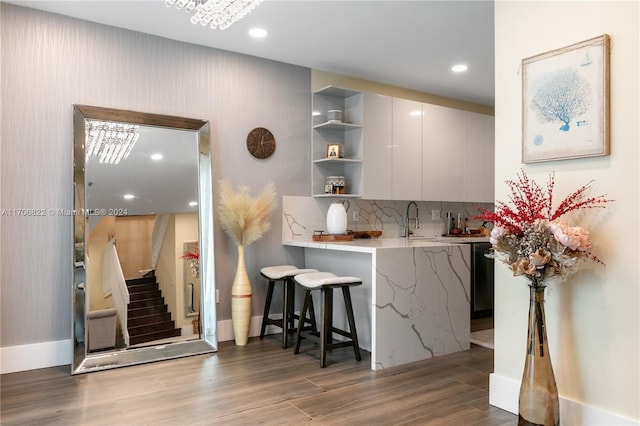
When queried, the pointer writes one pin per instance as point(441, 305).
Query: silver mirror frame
point(82, 361)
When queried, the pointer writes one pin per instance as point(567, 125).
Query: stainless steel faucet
point(407, 231)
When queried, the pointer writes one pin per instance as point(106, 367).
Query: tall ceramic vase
point(538, 402)
point(337, 218)
point(241, 301)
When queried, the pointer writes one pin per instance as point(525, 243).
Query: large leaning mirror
point(143, 286)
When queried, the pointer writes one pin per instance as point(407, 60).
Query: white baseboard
point(34, 356)
point(503, 393)
point(53, 354)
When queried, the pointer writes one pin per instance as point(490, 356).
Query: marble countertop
point(365, 245)
point(458, 240)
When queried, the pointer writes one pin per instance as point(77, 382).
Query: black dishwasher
point(481, 280)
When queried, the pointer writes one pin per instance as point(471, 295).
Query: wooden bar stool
point(284, 273)
point(326, 282)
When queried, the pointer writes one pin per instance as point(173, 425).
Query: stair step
point(144, 295)
point(141, 312)
point(144, 280)
point(154, 336)
point(141, 288)
point(151, 328)
point(146, 303)
point(148, 319)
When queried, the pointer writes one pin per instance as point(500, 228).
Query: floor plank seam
point(322, 388)
point(309, 416)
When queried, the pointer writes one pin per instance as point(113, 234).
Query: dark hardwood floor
point(259, 384)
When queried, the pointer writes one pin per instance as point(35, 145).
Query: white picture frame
point(565, 102)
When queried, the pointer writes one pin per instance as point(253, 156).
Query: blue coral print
point(565, 96)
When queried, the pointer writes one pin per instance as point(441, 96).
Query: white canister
point(337, 218)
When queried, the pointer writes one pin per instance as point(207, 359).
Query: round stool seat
point(320, 279)
point(282, 271)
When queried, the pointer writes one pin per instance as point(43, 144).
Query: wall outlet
point(356, 215)
point(435, 214)
point(217, 296)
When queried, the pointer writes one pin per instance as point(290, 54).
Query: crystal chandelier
point(110, 142)
point(215, 13)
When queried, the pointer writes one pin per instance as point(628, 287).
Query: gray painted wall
point(50, 62)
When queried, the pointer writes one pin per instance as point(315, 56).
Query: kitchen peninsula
point(414, 301)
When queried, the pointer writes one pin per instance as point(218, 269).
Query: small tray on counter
point(332, 237)
point(458, 232)
point(348, 236)
point(465, 235)
point(366, 234)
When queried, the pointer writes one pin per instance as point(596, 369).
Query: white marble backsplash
point(301, 216)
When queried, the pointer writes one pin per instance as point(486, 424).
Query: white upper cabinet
point(406, 158)
point(378, 144)
point(481, 159)
point(444, 154)
point(398, 149)
point(457, 155)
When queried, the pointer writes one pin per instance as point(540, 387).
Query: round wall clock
point(261, 143)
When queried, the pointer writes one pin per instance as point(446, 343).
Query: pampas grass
point(243, 218)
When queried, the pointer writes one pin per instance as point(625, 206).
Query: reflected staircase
point(148, 316)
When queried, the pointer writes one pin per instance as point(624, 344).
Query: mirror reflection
point(142, 193)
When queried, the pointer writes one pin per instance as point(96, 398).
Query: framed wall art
point(565, 102)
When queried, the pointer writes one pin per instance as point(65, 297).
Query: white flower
point(496, 233)
point(573, 237)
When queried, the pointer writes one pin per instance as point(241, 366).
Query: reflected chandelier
point(215, 13)
point(110, 142)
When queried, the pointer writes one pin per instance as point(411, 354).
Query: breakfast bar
point(414, 301)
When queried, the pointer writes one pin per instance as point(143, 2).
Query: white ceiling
point(410, 44)
point(164, 186)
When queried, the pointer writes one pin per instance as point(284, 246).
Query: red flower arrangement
point(531, 238)
point(191, 255)
point(194, 257)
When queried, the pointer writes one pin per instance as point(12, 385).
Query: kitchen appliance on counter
point(482, 286)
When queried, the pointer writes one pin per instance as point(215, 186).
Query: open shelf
point(348, 133)
point(337, 160)
point(337, 92)
point(337, 125)
point(337, 195)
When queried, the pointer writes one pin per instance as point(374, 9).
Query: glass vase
point(538, 401)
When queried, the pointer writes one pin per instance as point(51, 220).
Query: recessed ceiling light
point(193, 203)
point(459, 68)
point(258, 32)
point(128, 196)
point(157, 157)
